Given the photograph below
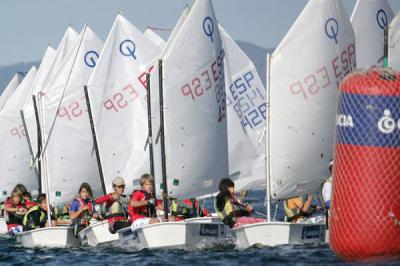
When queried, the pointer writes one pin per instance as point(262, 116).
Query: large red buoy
point(366, 172)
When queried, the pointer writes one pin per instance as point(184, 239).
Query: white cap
point(118, 181)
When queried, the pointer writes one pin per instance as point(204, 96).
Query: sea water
point(12, 253)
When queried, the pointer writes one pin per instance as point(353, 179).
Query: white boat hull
point(3, 226)
point(278, 233)
point(52, 237)
point(96, 234)
point(193, 233)
point(327, 236)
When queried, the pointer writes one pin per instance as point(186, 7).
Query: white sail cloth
point(194, 105)
point(305, 70)
point(48, 66)
point(68, 147)
point(154, 38)
point(117, 92)
point(14, 153)
point(9, 90)
point(369, 18)
point(394, 43)
point(246, 113)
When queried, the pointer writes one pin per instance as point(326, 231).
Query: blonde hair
point(146, 177)
point(16, 193)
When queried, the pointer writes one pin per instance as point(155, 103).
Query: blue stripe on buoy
point(368, 120)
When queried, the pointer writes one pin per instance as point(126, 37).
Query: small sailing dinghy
point(59, 151)
point(302, 88)
point(117, 93)
point(193, 132)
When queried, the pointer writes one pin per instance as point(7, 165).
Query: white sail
point(194, 105)
point(246, 114)
point(369, 19)
point(394, 43)
point(14, 153)
point(117, 92)
point(28, 109)
point(176, 30)
point(65, 46)
point(306, 67)
point(69, 159)
point(154, 38)
point(9, 90)
point(155, 106)
point(50, 63)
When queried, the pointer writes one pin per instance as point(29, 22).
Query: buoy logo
point(387, 124)
point(344, 120)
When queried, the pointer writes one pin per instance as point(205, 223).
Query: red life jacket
point(143, 211)
point(82, 203)
point(29, 204)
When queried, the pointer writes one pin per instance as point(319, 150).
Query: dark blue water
point(12, 254)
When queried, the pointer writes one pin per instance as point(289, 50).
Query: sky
point(27, 27)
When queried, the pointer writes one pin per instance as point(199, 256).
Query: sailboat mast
point(385, 46)
point(21, 112)
point(149, 126)
point(267, 142)
point(43, 160)
point(96, 147)
point(39, 143)
point(163, 166)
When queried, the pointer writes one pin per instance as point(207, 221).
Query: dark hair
point(88, 189)
point(27, 194)
point(41, 198)
point(224, 185)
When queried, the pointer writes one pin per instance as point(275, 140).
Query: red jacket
point(109, 201)
point(140, 212)
point(106, 198)
point(29, 204)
